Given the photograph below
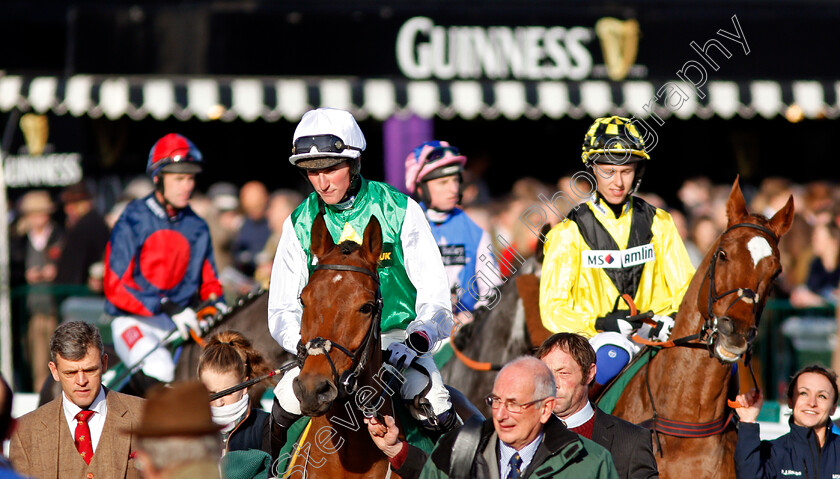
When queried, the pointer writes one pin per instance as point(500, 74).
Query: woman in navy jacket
point(810, 449)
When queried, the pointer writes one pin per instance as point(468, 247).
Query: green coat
point(562, 453)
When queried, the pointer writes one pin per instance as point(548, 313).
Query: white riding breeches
point(134, 337)
point(415, 382)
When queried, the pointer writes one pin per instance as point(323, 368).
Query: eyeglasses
point(514, 407)
point(322, 143)
point(440, 152)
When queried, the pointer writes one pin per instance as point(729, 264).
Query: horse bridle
point(347, 382)
point(707, 335)
point(709, 330)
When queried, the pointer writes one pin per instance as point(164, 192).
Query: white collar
point(436, 216)
point(579, 418)
point(98, 405)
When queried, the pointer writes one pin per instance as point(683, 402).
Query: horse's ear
point(372, 244)
point(321, 241)
point(736, 207)
point(781, 221)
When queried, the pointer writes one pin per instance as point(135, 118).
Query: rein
point(708, 332)
point(705, 338)
point(347, 382)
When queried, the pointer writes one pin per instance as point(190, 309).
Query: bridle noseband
point(347, 382)
point(709, 331)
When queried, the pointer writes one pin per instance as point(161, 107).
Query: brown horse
point(688, 384)
point(340, 354)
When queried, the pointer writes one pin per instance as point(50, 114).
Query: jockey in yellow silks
point(613, 244)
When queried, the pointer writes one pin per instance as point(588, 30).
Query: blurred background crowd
point(58, 240)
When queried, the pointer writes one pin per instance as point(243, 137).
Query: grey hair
point(166, 452)
point(72, 340)
point(544, 386)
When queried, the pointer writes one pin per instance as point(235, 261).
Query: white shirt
point(579, 418)
point(290, 273)
point(96, 422)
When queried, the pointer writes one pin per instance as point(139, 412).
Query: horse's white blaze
point(759, 249)
point(337, 278)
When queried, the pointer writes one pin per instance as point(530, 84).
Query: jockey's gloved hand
point(661, 331)
point(221, 307)
point(619, 321)
point(184, 321)
point(403, 354)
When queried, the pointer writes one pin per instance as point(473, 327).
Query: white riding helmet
point(326, 137)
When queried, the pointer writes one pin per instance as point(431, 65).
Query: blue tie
point(515, 463)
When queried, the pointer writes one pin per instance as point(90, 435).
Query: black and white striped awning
point(272, 99)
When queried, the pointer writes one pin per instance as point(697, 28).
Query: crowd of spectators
point(246, 221)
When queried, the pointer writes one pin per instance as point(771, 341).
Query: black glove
point(619, 321)
point(402, 354)
point(418, 342)
point(170, 308)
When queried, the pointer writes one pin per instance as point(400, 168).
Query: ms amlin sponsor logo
point(624, 258)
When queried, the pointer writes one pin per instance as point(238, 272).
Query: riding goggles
point(495, 402)
point(322, 143)
point(440, 152)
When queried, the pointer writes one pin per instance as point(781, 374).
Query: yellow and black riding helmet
point(615, 140)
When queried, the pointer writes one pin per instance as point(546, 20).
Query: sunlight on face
point(177, 188)
point(332, 183)
point(443, 192)
point(216, 381)
point(80, 380)
point(615, 181)
point(814, 401)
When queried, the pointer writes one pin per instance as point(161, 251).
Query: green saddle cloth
point(414, 434)
point(609, 398)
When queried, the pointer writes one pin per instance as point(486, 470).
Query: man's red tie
point(83, 440)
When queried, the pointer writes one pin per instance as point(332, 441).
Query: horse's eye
point(366, 309)
point(722, 256)
point(301, 302)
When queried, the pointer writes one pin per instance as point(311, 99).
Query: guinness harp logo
point(35, 129)
point(619, 43)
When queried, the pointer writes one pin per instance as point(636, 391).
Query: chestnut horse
point(687, 385)
point(339, 355)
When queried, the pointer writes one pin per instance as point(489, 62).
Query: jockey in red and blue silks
point(433, 173)
point(159, 262)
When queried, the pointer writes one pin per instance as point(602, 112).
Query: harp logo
point(619, 44)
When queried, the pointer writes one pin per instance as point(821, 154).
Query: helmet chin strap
point(425, 196)
point(167, 205)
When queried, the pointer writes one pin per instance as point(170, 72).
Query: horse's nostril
point(325, 392)
point(725, 326)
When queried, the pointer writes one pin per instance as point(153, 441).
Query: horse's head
point(340, 323)
point(740, 269)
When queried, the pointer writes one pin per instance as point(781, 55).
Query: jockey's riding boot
point(446, 422)
point(281, 420)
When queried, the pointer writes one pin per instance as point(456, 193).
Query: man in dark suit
point(572, 360)
point(79, 433)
